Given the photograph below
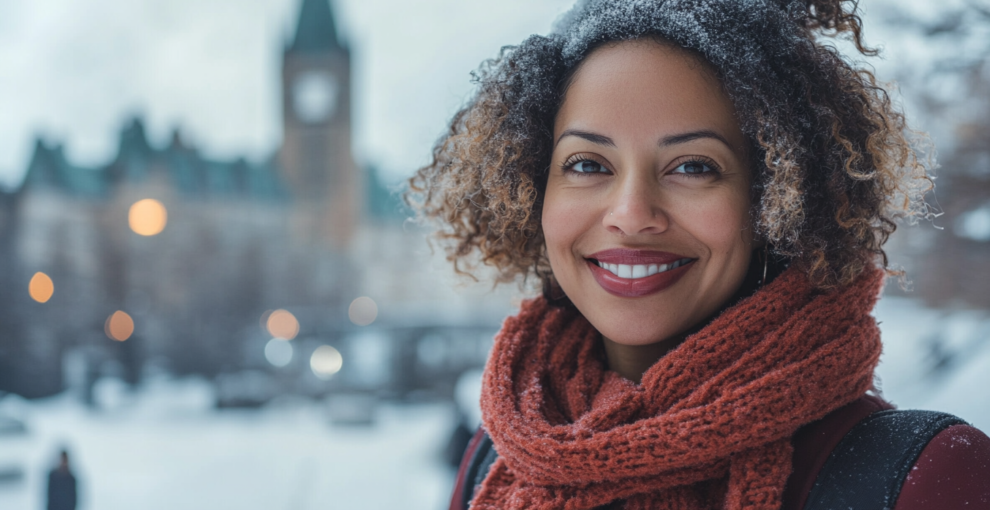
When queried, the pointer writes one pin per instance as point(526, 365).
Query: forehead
point(649, 89)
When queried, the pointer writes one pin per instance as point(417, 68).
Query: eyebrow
point(591, 137)
point(666, 141)
point(693, 135)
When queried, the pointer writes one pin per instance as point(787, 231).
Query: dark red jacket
point(953, 471)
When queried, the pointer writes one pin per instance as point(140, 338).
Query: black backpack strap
point(481, 461)
point(868, 467)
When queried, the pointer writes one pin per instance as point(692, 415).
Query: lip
point(634, 257)
point(636, 287)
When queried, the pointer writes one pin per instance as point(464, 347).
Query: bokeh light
point(147, 217)
point(363, 311)
point(41, 287)
point(278, 352)
point(326, 361)
point(264, 319)
point(119, 326)
point(282, 325)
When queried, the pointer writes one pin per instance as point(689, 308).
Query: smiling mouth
point(635, 271)
point(630, 273)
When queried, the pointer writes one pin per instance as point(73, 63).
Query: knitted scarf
point(709, 426)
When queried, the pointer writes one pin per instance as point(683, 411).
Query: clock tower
point(315, 158)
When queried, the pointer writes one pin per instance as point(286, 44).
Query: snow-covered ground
point(914, 374)
point(166, 448)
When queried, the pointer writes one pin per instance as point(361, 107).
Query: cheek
point(564, 220)
point(720, 221)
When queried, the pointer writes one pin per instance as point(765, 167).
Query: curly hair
point(834, 162)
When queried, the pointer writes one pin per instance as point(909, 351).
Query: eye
point(583, 165)
point(696, 168)
point(587, 167)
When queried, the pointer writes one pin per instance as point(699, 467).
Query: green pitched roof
point(316, 30)
point(50, 169)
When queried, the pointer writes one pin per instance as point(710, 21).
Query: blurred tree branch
point(953, 21)
point(954, 90)
point(982, 9)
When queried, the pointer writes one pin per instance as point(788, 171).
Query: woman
point(703, 188)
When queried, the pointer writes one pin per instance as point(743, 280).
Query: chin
point(634, 339)
point(637, 337)
point(634, 327)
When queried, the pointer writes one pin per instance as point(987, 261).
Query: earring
point(766, 259)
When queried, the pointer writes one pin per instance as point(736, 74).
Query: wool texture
point(708, 427)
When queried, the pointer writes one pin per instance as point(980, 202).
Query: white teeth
point(640, 270)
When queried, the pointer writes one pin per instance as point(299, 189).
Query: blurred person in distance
point(704, 189)
point(61, 485)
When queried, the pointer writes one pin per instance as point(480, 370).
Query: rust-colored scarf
point(709, 426)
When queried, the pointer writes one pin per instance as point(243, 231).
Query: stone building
point(241, 237)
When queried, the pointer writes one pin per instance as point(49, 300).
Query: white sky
point(75, 70)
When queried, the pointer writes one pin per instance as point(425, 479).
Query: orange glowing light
point(283, 325)
point(41, 287)
point(363, 311)
point(147, 217)
point(119, 326)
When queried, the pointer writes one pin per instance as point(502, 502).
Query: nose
point(636, 208)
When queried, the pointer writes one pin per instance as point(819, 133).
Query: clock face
point(314, 96)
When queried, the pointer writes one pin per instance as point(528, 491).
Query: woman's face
point(646, 213)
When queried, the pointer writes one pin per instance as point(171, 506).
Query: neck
point(631, 361)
